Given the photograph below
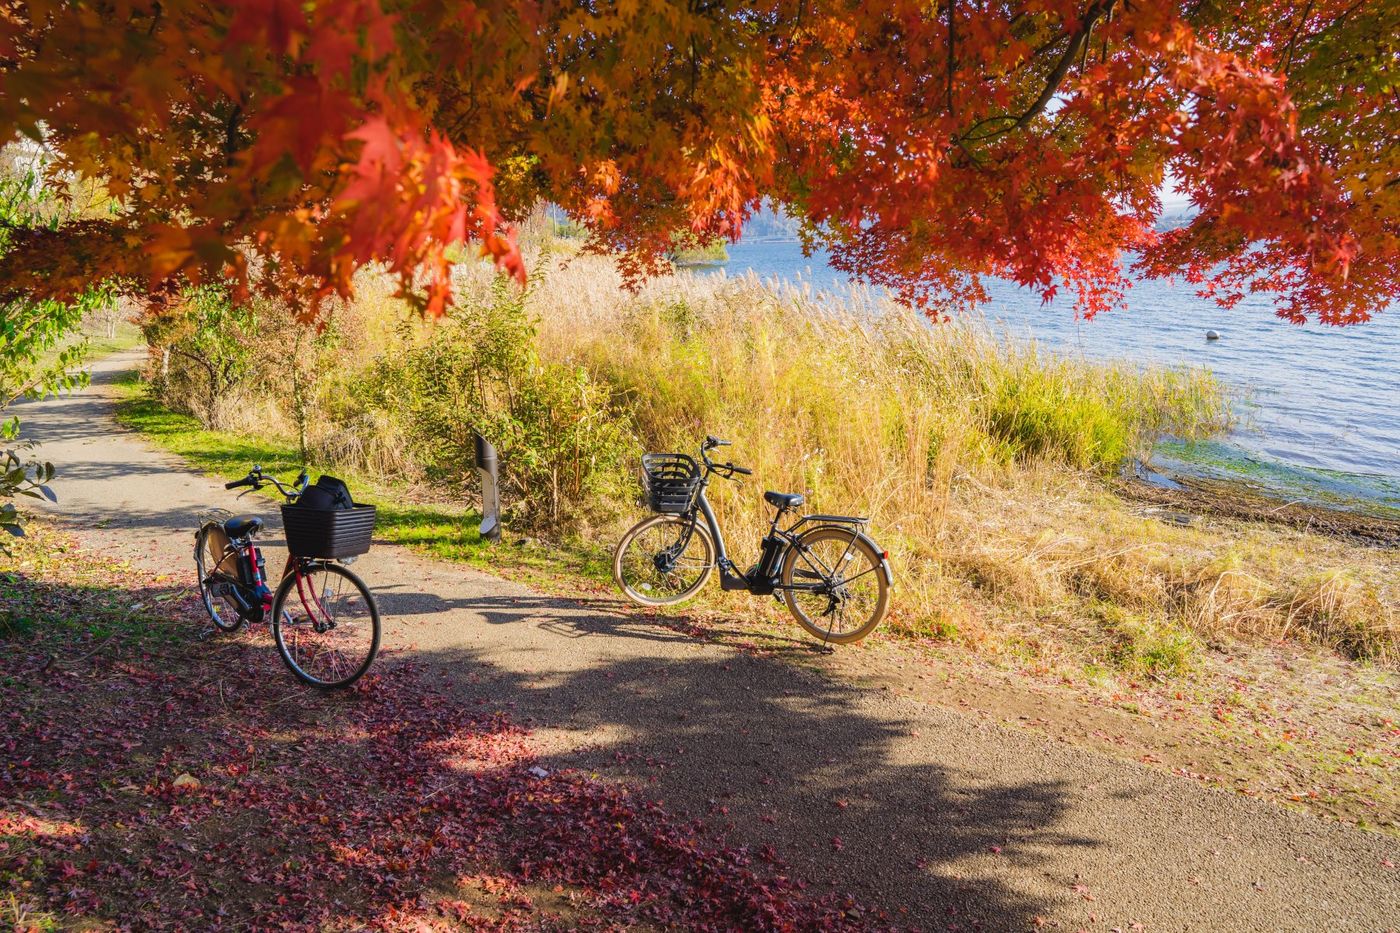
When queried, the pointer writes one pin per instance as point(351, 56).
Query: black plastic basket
point(328, 533)
point(671, 481)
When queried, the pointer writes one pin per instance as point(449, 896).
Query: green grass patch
point(1038, 415)
point(440, 530)
point(46, 594)
point(1146, 646)
point(126, 337)
point(218, 452)
point(448, 534)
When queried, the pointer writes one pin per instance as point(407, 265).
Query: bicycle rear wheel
point(838, 589)
point(326, 625)
point(215, 565)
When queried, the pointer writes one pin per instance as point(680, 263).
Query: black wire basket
point(671, 481)
point(328, 533)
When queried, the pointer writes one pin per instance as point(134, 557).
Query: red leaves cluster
point(263, 128)
point(1048, 174)
point(927, 146)
point(395, 807)
point(410, 195)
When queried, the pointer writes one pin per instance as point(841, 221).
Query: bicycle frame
point(730, 577)
point(245, 551)
point(297, 565)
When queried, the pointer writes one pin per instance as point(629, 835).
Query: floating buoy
point(1212, 335)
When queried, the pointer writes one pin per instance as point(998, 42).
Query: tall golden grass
point(981, 460)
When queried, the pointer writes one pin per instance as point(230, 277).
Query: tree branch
point(1053, 81)
point(952, 16)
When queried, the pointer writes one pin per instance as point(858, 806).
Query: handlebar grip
point(245, 481)
point(742, 471)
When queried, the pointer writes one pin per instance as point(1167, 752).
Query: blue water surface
point(1319, 406)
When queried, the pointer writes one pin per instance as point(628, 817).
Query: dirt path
point(909, 806)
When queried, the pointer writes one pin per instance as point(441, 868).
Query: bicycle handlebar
point(725, 469)
point(256, 479)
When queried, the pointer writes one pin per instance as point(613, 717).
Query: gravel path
point(942, 819)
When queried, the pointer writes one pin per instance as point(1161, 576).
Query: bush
point(564, 444)
point(210, 351)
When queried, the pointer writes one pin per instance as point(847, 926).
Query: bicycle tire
point(639, 594)
point(849, 540)
point(289, 632)
point(201, 558)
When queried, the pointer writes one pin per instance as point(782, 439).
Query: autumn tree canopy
point(285, 143)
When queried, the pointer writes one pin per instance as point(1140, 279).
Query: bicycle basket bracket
point(671, 481)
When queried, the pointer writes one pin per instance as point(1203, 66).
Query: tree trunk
point(299, 395)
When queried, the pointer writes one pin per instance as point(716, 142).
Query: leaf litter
point(149, 779)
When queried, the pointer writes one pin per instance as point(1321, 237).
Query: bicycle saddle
point(242, 526)
point(783, 500)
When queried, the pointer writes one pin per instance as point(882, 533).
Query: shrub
point(564, 444)
point(209, 351)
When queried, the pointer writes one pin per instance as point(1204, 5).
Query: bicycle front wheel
point(834, 584)
point(326, 625)
point(663, 560)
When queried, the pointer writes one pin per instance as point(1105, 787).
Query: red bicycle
point(323, 617)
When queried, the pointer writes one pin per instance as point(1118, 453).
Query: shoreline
point(1189, 497)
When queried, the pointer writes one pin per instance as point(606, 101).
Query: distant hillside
point(769, 224)
point(1175, 216)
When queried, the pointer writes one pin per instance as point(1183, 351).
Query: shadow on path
point(794, 762)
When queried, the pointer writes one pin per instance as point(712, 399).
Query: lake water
point(1319, 409)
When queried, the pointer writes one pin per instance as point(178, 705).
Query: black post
point(490, 489)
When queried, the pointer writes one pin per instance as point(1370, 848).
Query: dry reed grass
point(979, 460)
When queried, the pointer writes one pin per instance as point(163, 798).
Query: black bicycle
point(833, 578)
point(323, 617)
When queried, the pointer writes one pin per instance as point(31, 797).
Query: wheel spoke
point(663, 562)
point(335, 637)
point(845, 594)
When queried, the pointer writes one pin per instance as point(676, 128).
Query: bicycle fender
point(861, 536)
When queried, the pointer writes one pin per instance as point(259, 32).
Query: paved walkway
point(906, 805)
